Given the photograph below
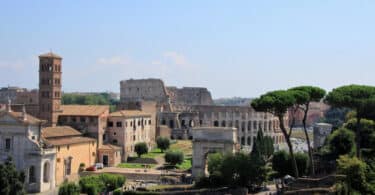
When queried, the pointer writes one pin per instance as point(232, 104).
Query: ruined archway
point(208, 140)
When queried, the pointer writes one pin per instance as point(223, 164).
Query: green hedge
point(105, 182)
point(69, 189)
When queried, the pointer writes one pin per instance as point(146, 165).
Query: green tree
point(341, 142)
point(174, 157)
point(163, 143)
point(263, 147)
point(69, 189)
point(214, 161)
point(335, 116)
point(277, 103)
point(355, 171)
point(360, 98)
point(314, 94)
point(11, 180)
point(281, 161)
point(141, 148)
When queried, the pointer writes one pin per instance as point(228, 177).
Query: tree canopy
point(11, 180)
point(163, 143)
point(141, 148)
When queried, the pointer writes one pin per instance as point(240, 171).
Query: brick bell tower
point(49, 87)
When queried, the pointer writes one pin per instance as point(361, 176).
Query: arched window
point(32, 178)
point(249, 125)
point(223, 123)
point(46, 172)
point(216, 123)
point(243, 141)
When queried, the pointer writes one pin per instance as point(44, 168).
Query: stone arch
point(208, 140)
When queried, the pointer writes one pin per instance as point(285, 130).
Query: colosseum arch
point(208, 140)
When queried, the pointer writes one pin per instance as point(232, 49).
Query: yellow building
point(72, 149)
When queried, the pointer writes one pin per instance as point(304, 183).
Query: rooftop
point(129, 113)
point(19, 116)
point(59, 131)
point(69, 140)
point(83, 110)
point(109, 147)
point(50, 55)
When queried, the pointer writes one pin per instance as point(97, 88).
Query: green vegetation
point(95, 184)
point(240, 169)
point(314, 94)
point(185, 165)
point(135, 165)
point(281, 161)
point(174, 157)
point(11, 180)
point(156, 152)
point(277, 103)
point(340, 142)
point(69, 188)
point(355, 170)
point(89, 99)
point(163, 143)
point(359, 98)
point(141, 148)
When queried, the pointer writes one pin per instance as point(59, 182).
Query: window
point(58, 148)
point(32, 178)
point(7, 143)
point(149, 122)
point(68, 166)
point(67, 147)
point(114, 133)
point(216, 123)
point(139, 123)
point(114, 141)
point(110, 124)
point(46, 172)
point(119, 124)
point(82, 119)
point(74, 119)
point(33, 137)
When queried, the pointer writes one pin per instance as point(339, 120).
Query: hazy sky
point(234, 48)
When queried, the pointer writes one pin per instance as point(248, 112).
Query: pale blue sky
point(234, 48)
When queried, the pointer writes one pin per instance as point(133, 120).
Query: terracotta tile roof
point(50, 55)
point(19, 116)
point(83, 110)
point(69, 140)
point(109, 147)
point(129, 113)
point(59, 131)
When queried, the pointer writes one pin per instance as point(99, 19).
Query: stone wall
point(189, 96)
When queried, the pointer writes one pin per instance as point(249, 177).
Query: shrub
point(214, 162)
point(281, 163)
point(174, 157)
point(341, 142)
point(118, 191)
point(355, 171)
point(162, 143)
point(69, 189)
point(141, 148)
point(100, 183)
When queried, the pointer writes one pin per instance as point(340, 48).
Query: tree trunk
point(358, 137)
point(312, 168)
point(290, 146)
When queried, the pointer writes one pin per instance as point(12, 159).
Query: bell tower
point(49, 87)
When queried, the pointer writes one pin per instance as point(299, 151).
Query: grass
point(185, 146)
point(134, 165)
point(185, 165)
point(153, 153)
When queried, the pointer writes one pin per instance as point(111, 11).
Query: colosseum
point(182, 109)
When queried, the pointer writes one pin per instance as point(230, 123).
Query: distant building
point(321, 131)
point(20, 138)
point(72, 149)
point(127, 127)
point(50, 87)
